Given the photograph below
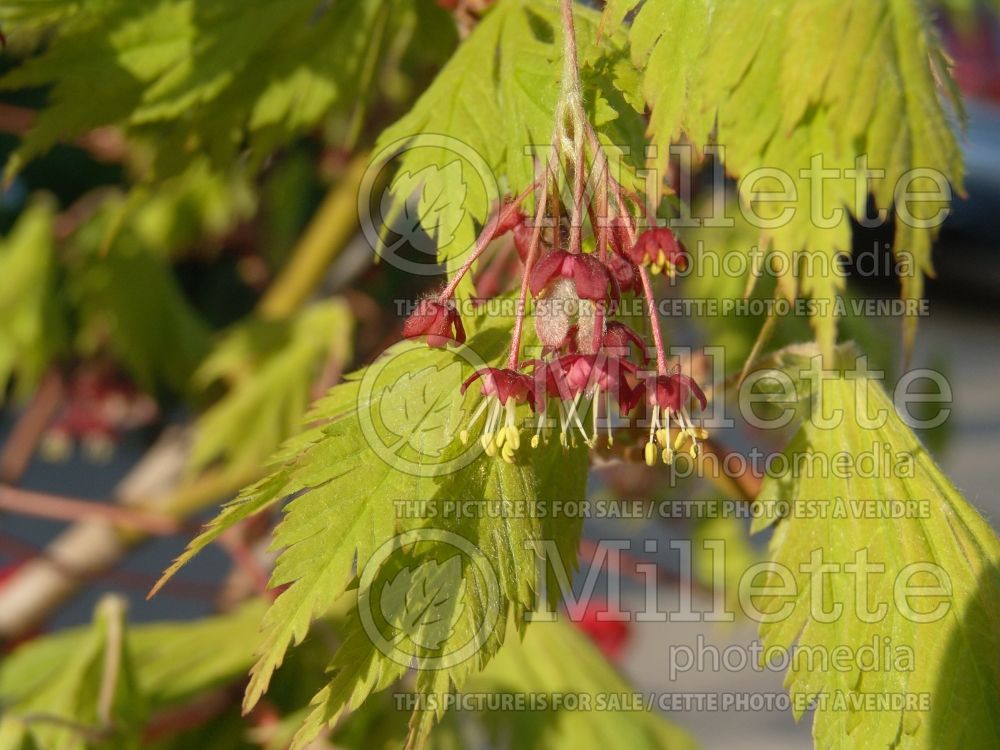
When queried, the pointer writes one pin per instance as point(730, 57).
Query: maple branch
point(333, 224)
point(61, 508)
point(91, 547)
point(30, 427)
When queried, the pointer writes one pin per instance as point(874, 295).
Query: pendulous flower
point(660, 250)
point(624, 273)
point(590, 381)
point(584, 269)
point(503, 390)
point(618, 336)
point(438, 321)
point(670, 396)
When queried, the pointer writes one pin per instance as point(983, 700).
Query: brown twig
point(30, 427)
point(92, 547)
point(62, 508)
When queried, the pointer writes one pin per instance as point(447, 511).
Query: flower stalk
point(593, 367)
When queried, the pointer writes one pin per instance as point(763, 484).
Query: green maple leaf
point(776, 84)
point(270, 368)
point(32, 331)
point(433, 212)
point(955, 653)
point(93, 693)
point(222, 75)
point(344, 480)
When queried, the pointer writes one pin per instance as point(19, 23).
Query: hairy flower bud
point(590, 326)
point(554, 311)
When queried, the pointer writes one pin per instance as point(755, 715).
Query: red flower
point(598, 372)
point(674, 392)
point(584, 269)
point(438, 321)
point(610, 636)
point(618, 234)
point(629, 398)
point(503, 389)
point(617, 337)
point(660, 250)
point(599, 378)
point(503, 384)
point(670, 395)
point(624, 273)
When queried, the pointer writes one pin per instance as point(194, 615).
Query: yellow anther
point(668, 456)
point(650, 454)
point(507, 453)
point(464, 437)
point(501, 437)
point(700, 433)
point(534, 441)
point(513, 437)
point(661, 437)
point(693, 450)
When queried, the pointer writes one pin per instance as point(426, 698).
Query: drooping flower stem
point(571, 113)
point(568, 112)
point(572, 102)
point(654, 321)
point(500, 218)
point(647, 286)
point(586, 360)
point(529, 261)
point(576, 221)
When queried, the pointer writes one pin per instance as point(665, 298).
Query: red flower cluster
point(99, 405)
point(589, 363)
